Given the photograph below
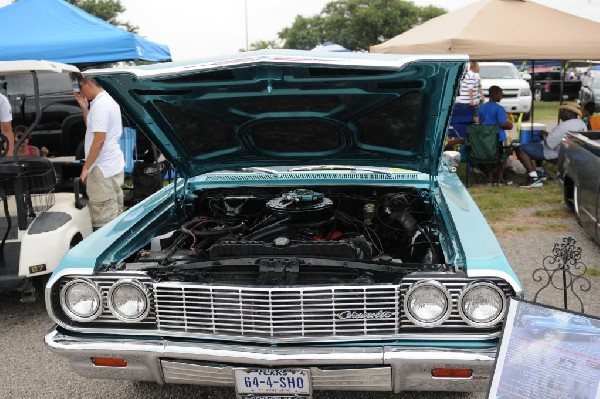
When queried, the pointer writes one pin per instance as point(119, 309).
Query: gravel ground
point(28, 370)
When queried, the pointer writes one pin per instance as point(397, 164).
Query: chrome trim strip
point(410, 367)
point(282, 57)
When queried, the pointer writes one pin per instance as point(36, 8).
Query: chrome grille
point(273, 312)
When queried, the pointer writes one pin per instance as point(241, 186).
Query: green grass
point(545, 110)
point(592, 272)
point(510, 209)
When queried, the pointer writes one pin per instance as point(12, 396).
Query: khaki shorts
point(106, 197)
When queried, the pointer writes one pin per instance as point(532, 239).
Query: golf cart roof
point(21, 66)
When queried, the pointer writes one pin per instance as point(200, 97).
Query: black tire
point(77, 238)
point(568, 193)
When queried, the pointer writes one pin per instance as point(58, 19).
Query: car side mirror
point(526, 75)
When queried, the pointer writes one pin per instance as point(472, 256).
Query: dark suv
point(61, 128)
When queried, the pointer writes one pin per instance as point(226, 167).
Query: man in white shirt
point(470, 91)
point(586, 79)
point(104, 161)
point(6, 123)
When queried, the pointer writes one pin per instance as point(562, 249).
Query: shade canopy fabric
point(55, 30)
point(502, 30)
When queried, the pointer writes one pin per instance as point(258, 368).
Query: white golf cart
point(38, 225)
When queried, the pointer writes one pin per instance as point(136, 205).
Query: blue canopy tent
point(55, 30)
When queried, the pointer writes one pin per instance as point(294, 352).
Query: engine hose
point(187, 228)
point(280, 228)
point(266, 232)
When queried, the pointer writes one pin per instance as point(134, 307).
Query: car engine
point(285, 230)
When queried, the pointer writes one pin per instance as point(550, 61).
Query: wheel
point(576, 204)
point(537, 95)
point(568, 193)
point(77, 238)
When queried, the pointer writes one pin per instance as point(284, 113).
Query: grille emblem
point(382, 314)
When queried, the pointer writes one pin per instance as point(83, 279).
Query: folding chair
point(485, 153)
point(128, 139)
point(462, 117)
point(127, 143)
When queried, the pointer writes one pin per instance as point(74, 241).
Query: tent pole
point(562, 85)
point(533, 92)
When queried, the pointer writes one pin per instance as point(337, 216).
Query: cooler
point(530, 132)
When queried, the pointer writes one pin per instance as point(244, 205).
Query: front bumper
point(516, 105)
point(357, 368)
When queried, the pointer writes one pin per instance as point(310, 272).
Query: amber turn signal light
point(451, 373)
point(109, 362)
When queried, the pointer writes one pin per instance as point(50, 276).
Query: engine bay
point(281, 228)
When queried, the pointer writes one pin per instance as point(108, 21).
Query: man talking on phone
point(102, 172)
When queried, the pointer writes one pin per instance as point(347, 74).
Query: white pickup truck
point(517, 92)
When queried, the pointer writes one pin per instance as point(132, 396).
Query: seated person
point(569, 114)
point(592, 122)
point(492, 113)
point(26, 150)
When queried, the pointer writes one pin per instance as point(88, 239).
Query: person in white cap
point(569, 113)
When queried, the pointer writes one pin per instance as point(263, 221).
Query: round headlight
point(482, 304)
point(129, 300)
point(428, 303)
point(81, 300)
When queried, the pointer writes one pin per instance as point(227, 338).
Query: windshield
point(49, 83)
point(499, 72)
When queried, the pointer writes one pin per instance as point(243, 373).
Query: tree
point(356, 24)
point(261, 44)
point(107, 10)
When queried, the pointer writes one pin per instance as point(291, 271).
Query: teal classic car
point(315, 237)
point(552, 328)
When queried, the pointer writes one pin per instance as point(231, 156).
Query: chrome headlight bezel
point(478, 285)
point(436, 285)
point(144, 295)
point(71, 313)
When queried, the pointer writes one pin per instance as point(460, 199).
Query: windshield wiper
point(259, 169)
point(340, 167)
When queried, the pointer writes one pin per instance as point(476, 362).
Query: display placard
point(547, 352)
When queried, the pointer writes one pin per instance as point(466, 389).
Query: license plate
point(274, 383)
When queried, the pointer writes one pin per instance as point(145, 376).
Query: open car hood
point(287, 107)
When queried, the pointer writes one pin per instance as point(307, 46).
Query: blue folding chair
point(128, 147)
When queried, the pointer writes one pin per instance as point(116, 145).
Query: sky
point(200, 28)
